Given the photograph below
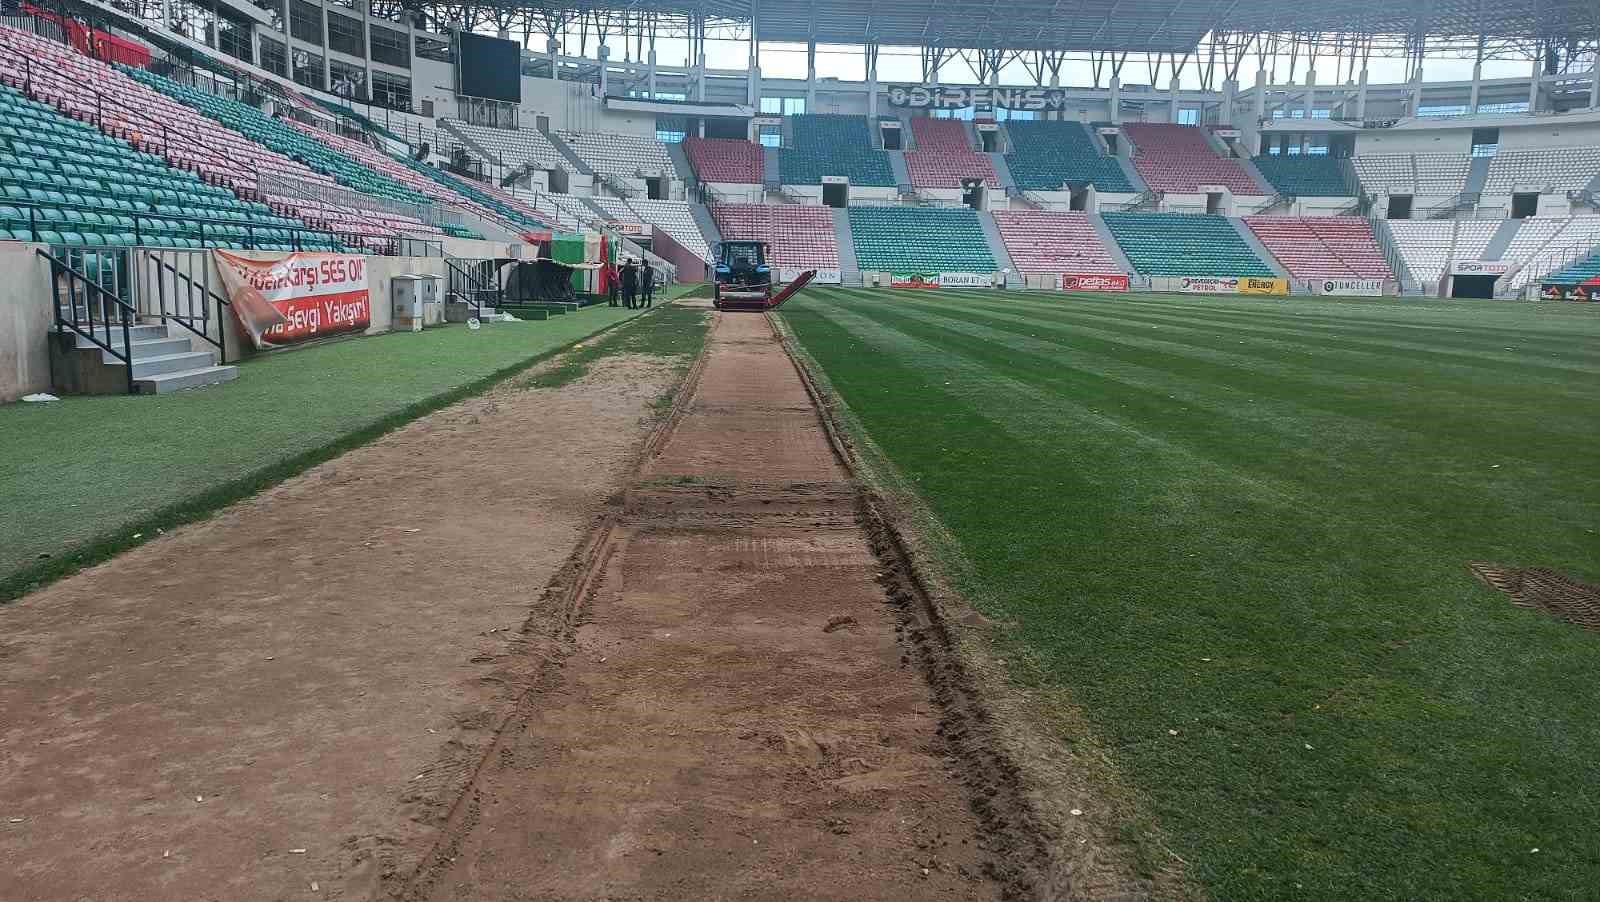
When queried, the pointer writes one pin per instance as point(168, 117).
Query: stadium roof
point(1147, 25)
point(1101, 25)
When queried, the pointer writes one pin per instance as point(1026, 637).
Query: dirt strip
point(283, 701)
point(736, 714)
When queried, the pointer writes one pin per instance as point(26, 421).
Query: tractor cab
point(744, 279)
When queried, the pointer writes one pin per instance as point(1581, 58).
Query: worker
point(630, 284)
point(613, 284)
point(647, 281)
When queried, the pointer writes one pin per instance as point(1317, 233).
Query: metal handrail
point(208, 296)
point(91, 289)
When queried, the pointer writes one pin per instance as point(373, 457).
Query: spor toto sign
point(1479, 268)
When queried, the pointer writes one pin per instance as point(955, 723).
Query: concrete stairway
point(997, 247)
point(849, 267)
point(1496, 249)
point(707, 223)
point(1477, 176)
point(161, 363)
point(566, 151)
point(680, 164)
point(1002, 171)
point(1260, 249)
point(771, 170)
point(897, 165)
point(1110, 242)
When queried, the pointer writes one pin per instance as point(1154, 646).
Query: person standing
point(613, 284)
point(647, 281)
point(630, 284)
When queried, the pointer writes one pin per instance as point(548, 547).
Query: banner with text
point(1254, 285)
point(1360, 288)
point(296, 297)
point(913, 280)
point(1479, 268)
point(951, 97)
point(966, 280)
point(1087, 282)
point(822, 277)
point(1584, 293)
point(1209, 285)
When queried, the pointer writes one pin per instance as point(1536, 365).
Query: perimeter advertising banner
point(1360, 288)
point(1584, 293)
point(1254, 285)
point(913, 280)
point(1209, 285)
point(823, 277)
point(1087, 282)
point(965, 280)
point(296, 297)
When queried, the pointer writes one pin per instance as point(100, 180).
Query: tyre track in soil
point(728, 708)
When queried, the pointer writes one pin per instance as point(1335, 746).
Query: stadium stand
point(1428, 246)
point(1554, 169)
point(152, 121)
point(514, 147)
point(1046, 155)
point(726, 160)
point(674, 218)
point(944, 155)
point(1536, 262)
point(1428, 174)
point(947, 239)
point(1303, 175)
point(65, 183)
point(1184, 244)
point(1040, 241)
point(1577, 273)
point(1321, 247)
point(621, 156)
point(797, 235)
point(829, 144)
point(1179, 159)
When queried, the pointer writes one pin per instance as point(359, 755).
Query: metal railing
point(145, 226)
point(175, 287)
point(474, 282)
point(84, 298)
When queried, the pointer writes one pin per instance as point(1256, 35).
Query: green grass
point(673, 332)
point(79, 477)
point(1248, 520)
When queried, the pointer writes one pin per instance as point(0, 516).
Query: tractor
point(743, 279)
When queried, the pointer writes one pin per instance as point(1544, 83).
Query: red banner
point(1084, 282)
point(901, 280)
point(297, 297)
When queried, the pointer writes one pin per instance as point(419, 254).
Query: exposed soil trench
point(729, 711)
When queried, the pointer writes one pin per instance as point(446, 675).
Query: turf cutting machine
point(744, 280)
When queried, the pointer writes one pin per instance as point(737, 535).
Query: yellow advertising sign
point(1252, 285)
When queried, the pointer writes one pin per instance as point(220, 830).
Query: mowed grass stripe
point(1312, 452)
point(1384, 352)
point(1389, 395)
point(1446, 738)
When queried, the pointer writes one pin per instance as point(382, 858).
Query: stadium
point(652, 449)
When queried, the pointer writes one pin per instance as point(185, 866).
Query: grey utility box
point(415, 300)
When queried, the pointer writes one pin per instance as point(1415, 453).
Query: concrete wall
point(1433, 140)
point(25, 320)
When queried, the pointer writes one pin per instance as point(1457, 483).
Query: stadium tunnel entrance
point(1472, 286)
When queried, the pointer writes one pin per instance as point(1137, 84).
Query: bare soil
point(734, 714)
point(293, 691)
point(1562, 597)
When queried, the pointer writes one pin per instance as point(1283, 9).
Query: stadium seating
point(1041, 241)
point(1303, 175)
point(506, 207)
point(1322, 247)
point(1427, 174)
point(674, 218)
point(1552, 169)
point(799, 236)
point(827, 144)
point(726, 160)
point(1182, 244)
point(153, 121)
point(514, 147)
point(1179, 159)
point(1579, 272)
point(620, 156)
point(278, 135)
point(1046, 155)
point(944, 155)
point(1428, 247)
point(1574, 236)
point(63, 182)
point(920, 240)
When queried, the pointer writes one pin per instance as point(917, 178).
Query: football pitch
point(1236, 532)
